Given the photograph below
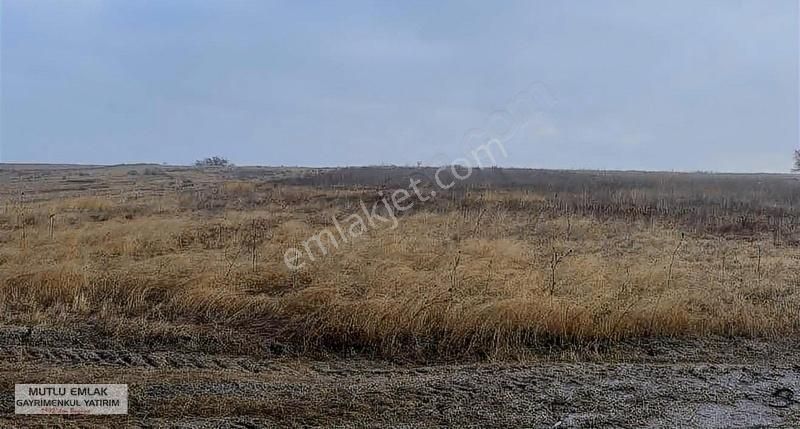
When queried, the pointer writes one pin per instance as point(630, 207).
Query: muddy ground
point(717, 383)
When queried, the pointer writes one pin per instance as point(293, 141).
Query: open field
point(516, 297)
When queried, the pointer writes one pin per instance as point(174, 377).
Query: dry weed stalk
point(555, 259)
point(51, 226)
point(672, 260)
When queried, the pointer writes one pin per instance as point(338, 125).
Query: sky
point(644, 85)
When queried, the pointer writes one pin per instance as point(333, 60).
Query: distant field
point(506, 261)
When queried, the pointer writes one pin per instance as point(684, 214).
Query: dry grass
point(487, 273)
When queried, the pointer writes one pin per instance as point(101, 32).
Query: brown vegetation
point(519, 259)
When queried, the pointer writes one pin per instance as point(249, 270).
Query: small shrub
point(214, 161)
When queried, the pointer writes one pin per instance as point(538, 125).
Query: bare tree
point(796, 167)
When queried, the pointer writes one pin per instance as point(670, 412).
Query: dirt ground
point(717, 383)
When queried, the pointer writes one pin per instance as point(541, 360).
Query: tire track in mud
point(347, 392)
point(354, 392)
point(78, 357)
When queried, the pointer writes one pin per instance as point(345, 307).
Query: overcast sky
point(656, 85)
